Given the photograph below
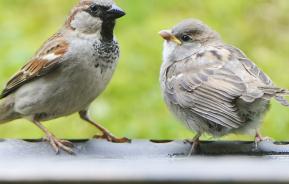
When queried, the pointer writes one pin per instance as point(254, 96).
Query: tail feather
point(7, 112)
point(283, 92)
point(282, 100)
point(278, 93)
point(275, 91)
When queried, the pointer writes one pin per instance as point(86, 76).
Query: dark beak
point(115, 12)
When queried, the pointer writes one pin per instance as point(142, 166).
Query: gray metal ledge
point(98, 161)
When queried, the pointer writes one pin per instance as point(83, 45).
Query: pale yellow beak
point(168, 36)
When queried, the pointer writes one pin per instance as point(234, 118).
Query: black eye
point(93, 8)
point(186, 38)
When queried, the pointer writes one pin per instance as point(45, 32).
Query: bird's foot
point(260, 138)
point(105, 133)
point(195, 142)
point(58, 144)
point(195, 148)
point(109, 137)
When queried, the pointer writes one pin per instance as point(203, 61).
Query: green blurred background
point(132, 105)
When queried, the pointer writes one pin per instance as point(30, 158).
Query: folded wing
point(47, 59)
point(209, 84)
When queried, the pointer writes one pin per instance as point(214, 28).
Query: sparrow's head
point(186, 36)
point(190, 31)
point(94, 16)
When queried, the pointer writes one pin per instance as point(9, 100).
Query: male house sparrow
point(211, 86)
point(68, 72)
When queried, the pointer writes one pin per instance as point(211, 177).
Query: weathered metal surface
point(98, 161)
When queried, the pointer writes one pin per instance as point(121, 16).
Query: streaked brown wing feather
point(210, 92)
point(208, 84)
point(252, 69)
point(269, 89)
point(38, 66)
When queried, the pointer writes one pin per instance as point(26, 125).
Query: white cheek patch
point(50, 57)
point(169, 47)
point(174, 52)
point(86, 23)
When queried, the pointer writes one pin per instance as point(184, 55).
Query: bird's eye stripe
point(93, 7)
point(104, 7)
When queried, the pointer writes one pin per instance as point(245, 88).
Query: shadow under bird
point(68, 72)
point(212, 86)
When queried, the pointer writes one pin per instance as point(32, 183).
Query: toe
point(64, 147)
point(67, 143)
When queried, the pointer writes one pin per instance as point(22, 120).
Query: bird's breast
point(91, 68)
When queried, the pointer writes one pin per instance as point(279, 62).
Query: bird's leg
point(260, 138)
point(195, 144)
point(105, 133)
point(57, 144)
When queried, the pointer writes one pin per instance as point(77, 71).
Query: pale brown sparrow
point(68, 72)
point(211, 86)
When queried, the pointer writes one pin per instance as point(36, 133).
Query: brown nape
point(85, 2)
point(70, 19)
point(80, 7)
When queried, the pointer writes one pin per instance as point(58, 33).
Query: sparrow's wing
point(252, 69)
point(205, 85)
point(47, 59)
point(268, 87)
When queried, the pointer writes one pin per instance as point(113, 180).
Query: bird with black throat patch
point(68, 72)
point(211, 86)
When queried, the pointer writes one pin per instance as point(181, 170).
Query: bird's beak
point(115, 12)
point(168, 36)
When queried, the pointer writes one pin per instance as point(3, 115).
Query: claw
point(67, 143)
point(60, 145)
point(111, 138)
point(260, 138)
